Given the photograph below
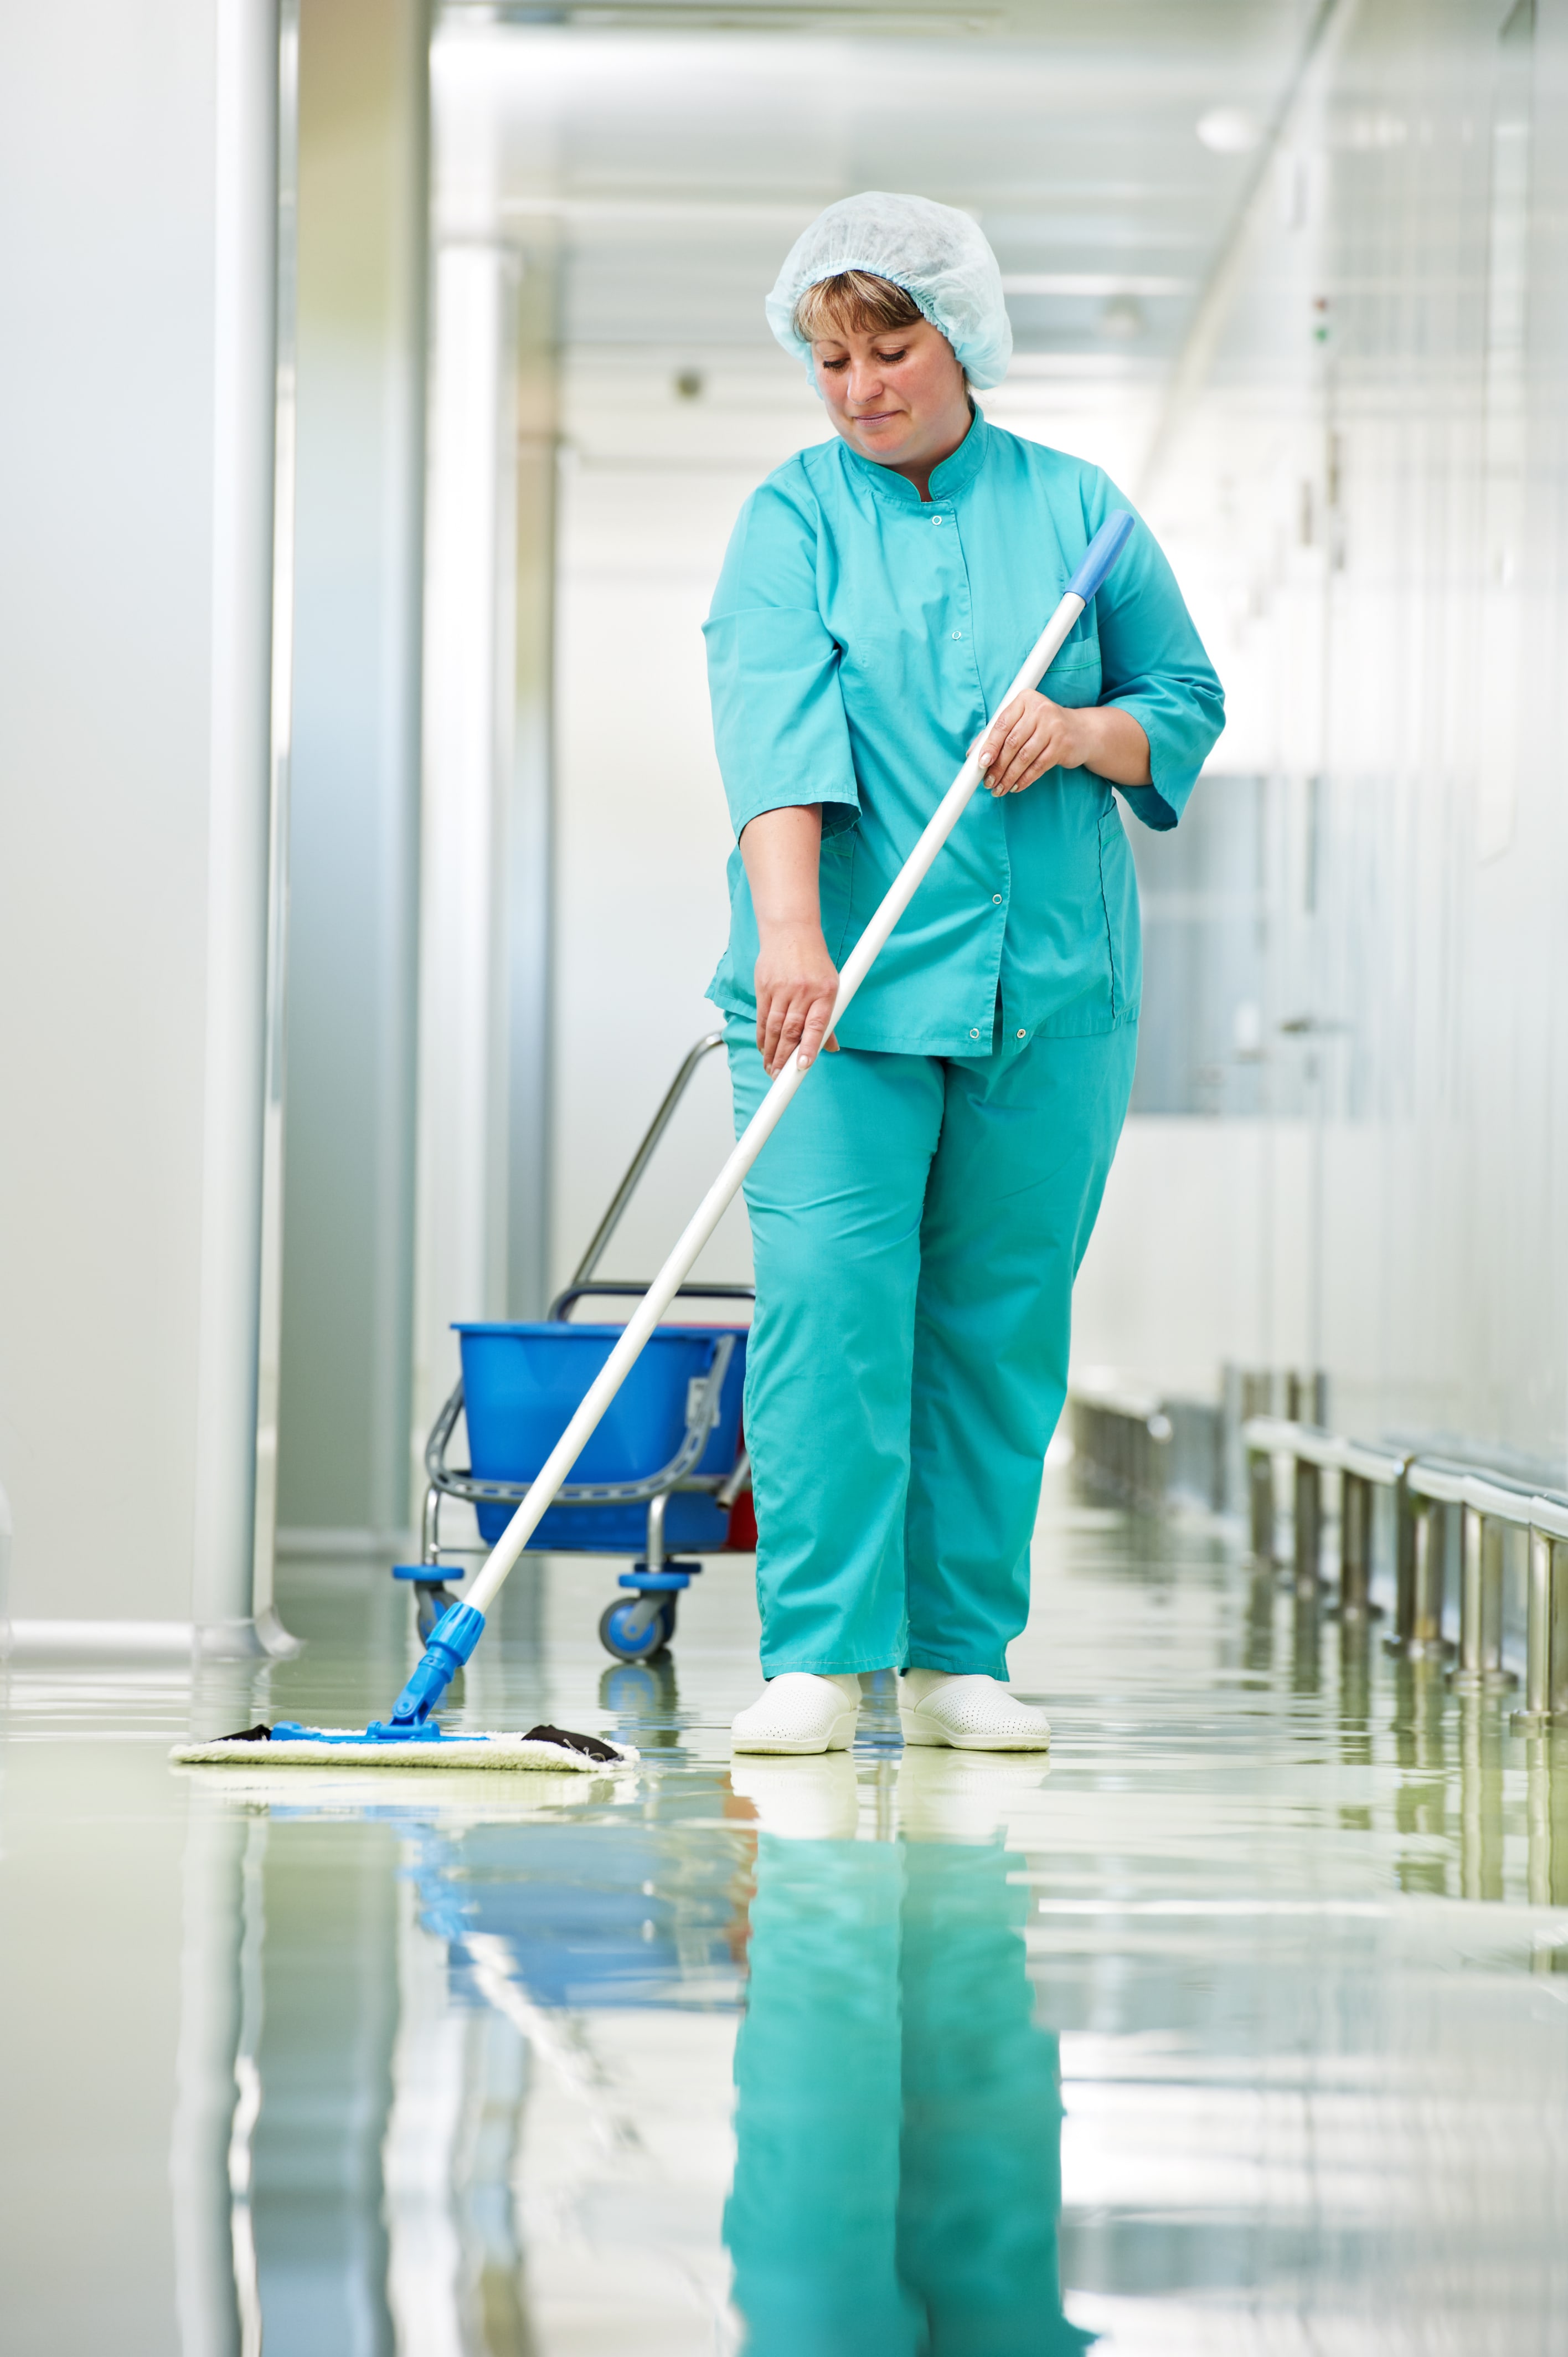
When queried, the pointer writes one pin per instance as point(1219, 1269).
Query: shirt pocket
point(1074, 678)
point(1119, 894)
point(835, 887)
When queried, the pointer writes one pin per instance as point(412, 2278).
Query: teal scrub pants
point(917, 1223)
point(897, 2178)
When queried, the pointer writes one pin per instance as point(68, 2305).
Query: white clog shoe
point(799, 1712)
point(968, 1713)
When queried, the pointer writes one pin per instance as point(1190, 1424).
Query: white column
point(135, 570)
point(243, 409)
point(460, 1263)
point(344, 1354)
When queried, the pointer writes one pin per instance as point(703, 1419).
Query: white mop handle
point(764, 1120)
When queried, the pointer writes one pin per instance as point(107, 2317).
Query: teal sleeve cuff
point(837, 814)
point(1147, 804)
point(1154, 665)
point(1181, 721)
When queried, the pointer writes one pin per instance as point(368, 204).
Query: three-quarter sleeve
point(1154, 665)
point(773, 670)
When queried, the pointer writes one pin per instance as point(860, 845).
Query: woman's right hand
point(796, 982)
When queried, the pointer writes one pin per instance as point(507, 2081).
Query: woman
point(919, 1216)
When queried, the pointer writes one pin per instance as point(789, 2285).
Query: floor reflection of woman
point(898, 2114)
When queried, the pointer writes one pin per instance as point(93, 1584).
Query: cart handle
point(640, 1162)
point(636, 1284)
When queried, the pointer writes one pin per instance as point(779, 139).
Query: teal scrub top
point(859, 640)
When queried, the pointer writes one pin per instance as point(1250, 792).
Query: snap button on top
point(974, 1035)
point(957, 634)
point(996, 899)
point(1023, 1035)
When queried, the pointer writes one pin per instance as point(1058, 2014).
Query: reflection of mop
point(411, 1735)
point(580, 2074)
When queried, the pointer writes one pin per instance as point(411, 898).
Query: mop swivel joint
point(452, 1641)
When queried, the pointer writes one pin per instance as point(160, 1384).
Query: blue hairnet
point(938, 256)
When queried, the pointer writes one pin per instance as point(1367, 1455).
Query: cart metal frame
point(657, 1578)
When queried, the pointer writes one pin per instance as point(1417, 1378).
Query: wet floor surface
point(1242, 2026)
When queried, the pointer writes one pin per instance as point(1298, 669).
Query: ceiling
point(675, 152)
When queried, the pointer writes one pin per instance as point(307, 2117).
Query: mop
point(411, 1735)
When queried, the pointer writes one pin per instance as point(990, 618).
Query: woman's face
point(897, 397)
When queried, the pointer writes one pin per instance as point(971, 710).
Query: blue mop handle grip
point(1102, 554)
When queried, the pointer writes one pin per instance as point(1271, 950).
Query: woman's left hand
point(1032, 735)
point(1028, 737)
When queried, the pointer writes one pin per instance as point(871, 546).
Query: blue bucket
point(522, 1385)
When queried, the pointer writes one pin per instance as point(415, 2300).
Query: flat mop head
point(555, 1749)
point(411, 1738)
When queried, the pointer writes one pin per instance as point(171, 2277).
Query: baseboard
point(103, 1640)
point(393, 1545)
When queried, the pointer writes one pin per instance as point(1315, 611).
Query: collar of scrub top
point(954, 475)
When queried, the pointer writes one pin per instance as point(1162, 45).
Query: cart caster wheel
point(632, 1631)
point(432, 1602)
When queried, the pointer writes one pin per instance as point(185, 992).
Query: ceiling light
point(1089, 283)
point(1122, 316)
point(1228, 130)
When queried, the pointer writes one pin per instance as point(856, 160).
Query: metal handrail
point(1489, 1501)
point(1446, 1481)
point(1279, 1435)
point(1486, 1498)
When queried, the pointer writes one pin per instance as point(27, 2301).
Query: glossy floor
point(770, 2058)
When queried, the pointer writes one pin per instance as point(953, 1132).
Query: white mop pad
point(549, 1754)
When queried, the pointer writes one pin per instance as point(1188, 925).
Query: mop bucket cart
point(666, 1470)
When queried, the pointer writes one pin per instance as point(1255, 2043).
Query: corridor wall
point(136, 579)
point(1368, 499)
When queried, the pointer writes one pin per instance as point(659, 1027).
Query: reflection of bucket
point(622, 1912)
point(520, 1385)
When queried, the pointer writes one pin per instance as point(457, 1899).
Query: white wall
point(643, 832)
point(348, 1219)
point(134, 599)
point(1169, 1289)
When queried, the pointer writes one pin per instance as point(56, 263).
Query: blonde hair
point(855, 301)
